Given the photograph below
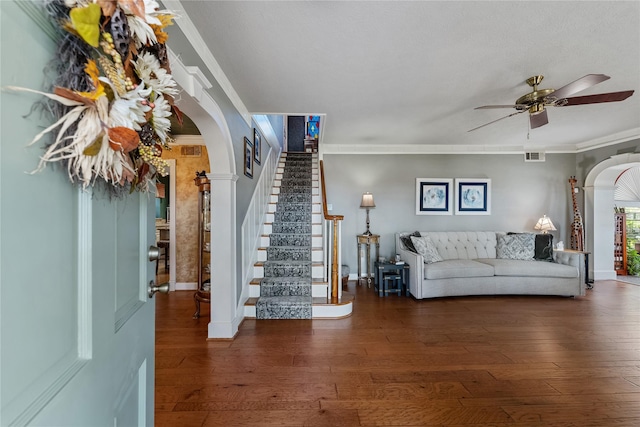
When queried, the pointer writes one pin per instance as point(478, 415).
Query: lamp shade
point(544, 224)
point(367, 201)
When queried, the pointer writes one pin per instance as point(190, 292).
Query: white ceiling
point(406, 76)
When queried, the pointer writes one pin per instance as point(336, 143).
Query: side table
point(367, 240)
point(391, 267)
point(587, 281)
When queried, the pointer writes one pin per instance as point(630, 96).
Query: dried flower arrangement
point(113, 93)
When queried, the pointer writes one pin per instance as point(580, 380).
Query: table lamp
point(367, 203)
point(545, 225)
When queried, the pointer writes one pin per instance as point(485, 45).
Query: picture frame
point(434, 196)
point(473, 196)
point(248, 158)
point(257, 146)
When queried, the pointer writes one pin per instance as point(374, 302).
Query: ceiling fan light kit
point(536, 101)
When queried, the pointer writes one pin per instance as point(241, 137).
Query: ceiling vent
point(191, 151)
point(534, 156)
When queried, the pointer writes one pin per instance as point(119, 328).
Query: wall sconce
point(545, 225)
point(367, 203)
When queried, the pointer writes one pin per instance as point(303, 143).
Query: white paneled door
point(77, 325)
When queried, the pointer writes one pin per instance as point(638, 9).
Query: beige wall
point(187, 212)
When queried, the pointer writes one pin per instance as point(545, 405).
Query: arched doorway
point(208, 117)
point(599, 202)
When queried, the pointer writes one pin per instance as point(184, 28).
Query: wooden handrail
point(325, 211)
point(334, 243)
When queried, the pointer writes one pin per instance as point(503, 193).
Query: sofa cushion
point(516, 246)
point(531, 268)
point(426, 248)
point(544, 247)
point(457, 268)
point(408, 244)
point(464, 244)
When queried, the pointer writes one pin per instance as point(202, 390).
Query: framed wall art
point(434, 196)
point(257, 146)
point(473, 196)
point(248, 157)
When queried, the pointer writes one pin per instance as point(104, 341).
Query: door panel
point(76, 326)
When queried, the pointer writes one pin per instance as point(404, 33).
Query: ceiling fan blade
point(538, 119)
point(516, 106)
point(579, 85)
point(505, 117)
point(596, 99)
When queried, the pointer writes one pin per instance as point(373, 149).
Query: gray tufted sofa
point(470, 267)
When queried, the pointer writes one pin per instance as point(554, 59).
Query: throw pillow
point(408, 244)
point(544, 247)
point(425, 247)
point(516, 246)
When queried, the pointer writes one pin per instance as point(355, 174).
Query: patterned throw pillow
point(425, 247)
point(544, 247)
point(516, 246)
point(408, 244)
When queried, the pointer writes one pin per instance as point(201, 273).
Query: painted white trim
point(598, 206)
point(186, 286)
point(252, 224)
point(172, 224)
point(606, 141)
point(269, 134)
point(85, 275)
point(200, 46)
point(435, 149)
point(479, 149)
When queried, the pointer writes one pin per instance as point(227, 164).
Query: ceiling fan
point(537, 100)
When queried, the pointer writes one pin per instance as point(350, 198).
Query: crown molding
point(438, 149)
point(616, 138)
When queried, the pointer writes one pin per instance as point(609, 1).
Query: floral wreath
point(113, 92)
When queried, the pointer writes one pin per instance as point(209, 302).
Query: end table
point(367, 240)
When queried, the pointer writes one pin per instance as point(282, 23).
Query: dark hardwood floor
point(472, 361)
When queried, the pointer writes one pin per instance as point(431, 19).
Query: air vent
point(534, 156)
point(191, 151)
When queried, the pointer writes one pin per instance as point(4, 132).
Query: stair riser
point(317, 312)
point(316, 241)
point(292, 227)
point(276, 290)
point(316, 217)
point(316, 255)
point(313, 190)
point(293, 206)
point(317, 290)
point(316, 208)
point(293, 216)
point(313, 177)
point(290, 240)
point(316, 271)
point(283, 312)
point(287, 270)
point(282, 254)
point(268, 229)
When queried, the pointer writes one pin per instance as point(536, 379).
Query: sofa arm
point(575, 259)
point(416, 270)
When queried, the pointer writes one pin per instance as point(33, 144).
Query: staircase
point(288, 277)
point(285, 289)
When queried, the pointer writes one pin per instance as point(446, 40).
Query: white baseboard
point(604, 275)
point(186, 286)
